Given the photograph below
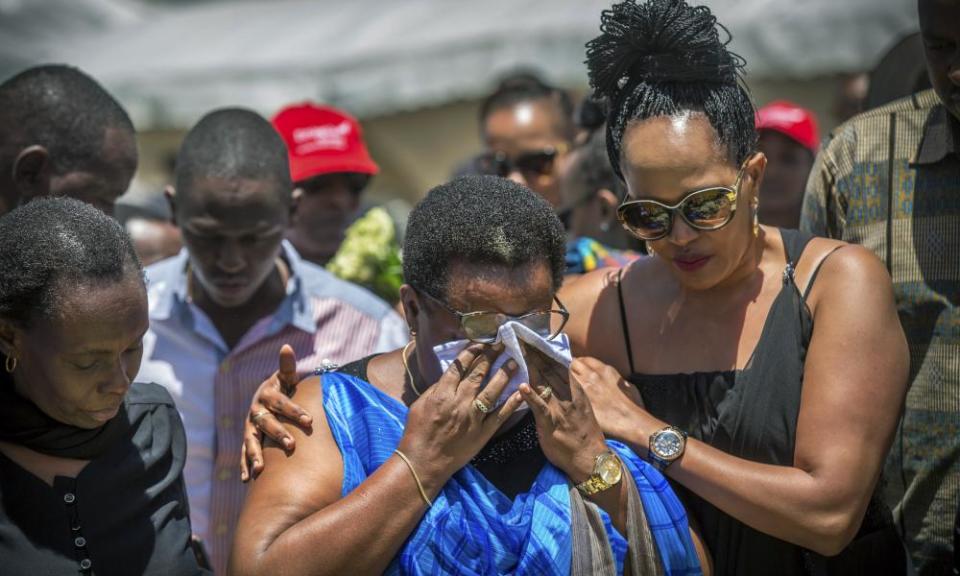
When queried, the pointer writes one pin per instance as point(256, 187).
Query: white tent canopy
point(380, 56)
point(35, 31)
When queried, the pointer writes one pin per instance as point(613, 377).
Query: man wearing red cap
point(789, 138)
point(330, 167)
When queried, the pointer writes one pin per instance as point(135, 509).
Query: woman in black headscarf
point(90, 464)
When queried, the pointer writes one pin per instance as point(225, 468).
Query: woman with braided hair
point(764, 369)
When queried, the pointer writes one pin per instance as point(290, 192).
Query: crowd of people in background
point(656, 330)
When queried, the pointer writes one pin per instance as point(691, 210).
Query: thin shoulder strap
point(623, 320)
point(816, 272)
point(794, 243)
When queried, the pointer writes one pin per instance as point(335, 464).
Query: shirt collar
point(297, 307)
point(941, 137)
point(168, 290)
point(167, 285)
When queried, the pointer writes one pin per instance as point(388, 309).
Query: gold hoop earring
point(10, 364)
point(756, 219)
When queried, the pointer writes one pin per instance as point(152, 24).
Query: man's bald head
point(62, 134)
point(231, 144)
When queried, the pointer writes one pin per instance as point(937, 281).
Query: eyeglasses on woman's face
point(706, 209)
point(483, 327)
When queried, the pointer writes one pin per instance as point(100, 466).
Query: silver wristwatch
point(666, 446)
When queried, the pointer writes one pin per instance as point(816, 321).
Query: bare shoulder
point(309, 394)
point(848, 272)
point(847, 260)
point(593, 301)
point(316, 450)
point(588, 289)
point(310, 474)
point(585, 286)
point(293, 485)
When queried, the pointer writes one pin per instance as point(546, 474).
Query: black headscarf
point(24, 424)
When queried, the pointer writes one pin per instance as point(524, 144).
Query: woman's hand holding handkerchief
point(514, 337)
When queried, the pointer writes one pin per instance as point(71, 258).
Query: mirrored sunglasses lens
point(708, 208)
point(646, 219)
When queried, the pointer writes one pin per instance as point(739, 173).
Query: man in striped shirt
point(221, 309)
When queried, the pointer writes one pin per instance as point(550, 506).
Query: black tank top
point(752, 414)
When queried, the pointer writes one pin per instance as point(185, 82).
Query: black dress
point(752, 414)
point(125, 514)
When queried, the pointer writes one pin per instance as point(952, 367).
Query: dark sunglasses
point(707, 209)
point(530, 164)
point(483, 327)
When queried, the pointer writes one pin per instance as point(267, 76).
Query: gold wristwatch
point(607, 471)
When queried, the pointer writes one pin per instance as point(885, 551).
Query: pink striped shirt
point(323, 318)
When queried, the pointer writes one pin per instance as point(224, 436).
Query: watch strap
point(592, 485)
point(658, 462)
point(595, 482)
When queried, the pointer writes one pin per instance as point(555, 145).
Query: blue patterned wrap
point(473, 528)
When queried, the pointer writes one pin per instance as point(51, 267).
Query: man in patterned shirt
point(889, 179)
point(221, 309)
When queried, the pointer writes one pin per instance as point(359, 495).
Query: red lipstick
point(691, 263)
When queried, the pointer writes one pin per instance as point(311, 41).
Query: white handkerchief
point(510, 334)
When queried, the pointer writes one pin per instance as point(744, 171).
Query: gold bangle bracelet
point(415, 477)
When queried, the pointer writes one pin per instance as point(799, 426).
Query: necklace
point(406, 366)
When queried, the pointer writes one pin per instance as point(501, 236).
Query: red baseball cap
point(792, 121)
point(322, 140)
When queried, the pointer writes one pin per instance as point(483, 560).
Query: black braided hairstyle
point(662, 57)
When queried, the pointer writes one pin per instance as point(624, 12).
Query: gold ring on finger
point(546, 393)
point(480, 406)
point(256, 417)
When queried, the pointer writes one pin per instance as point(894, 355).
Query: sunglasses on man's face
point(483, 327)
point(707, 209)
point(530, 164)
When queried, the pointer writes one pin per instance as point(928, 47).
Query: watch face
point(667, 444)
point(609, 469)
